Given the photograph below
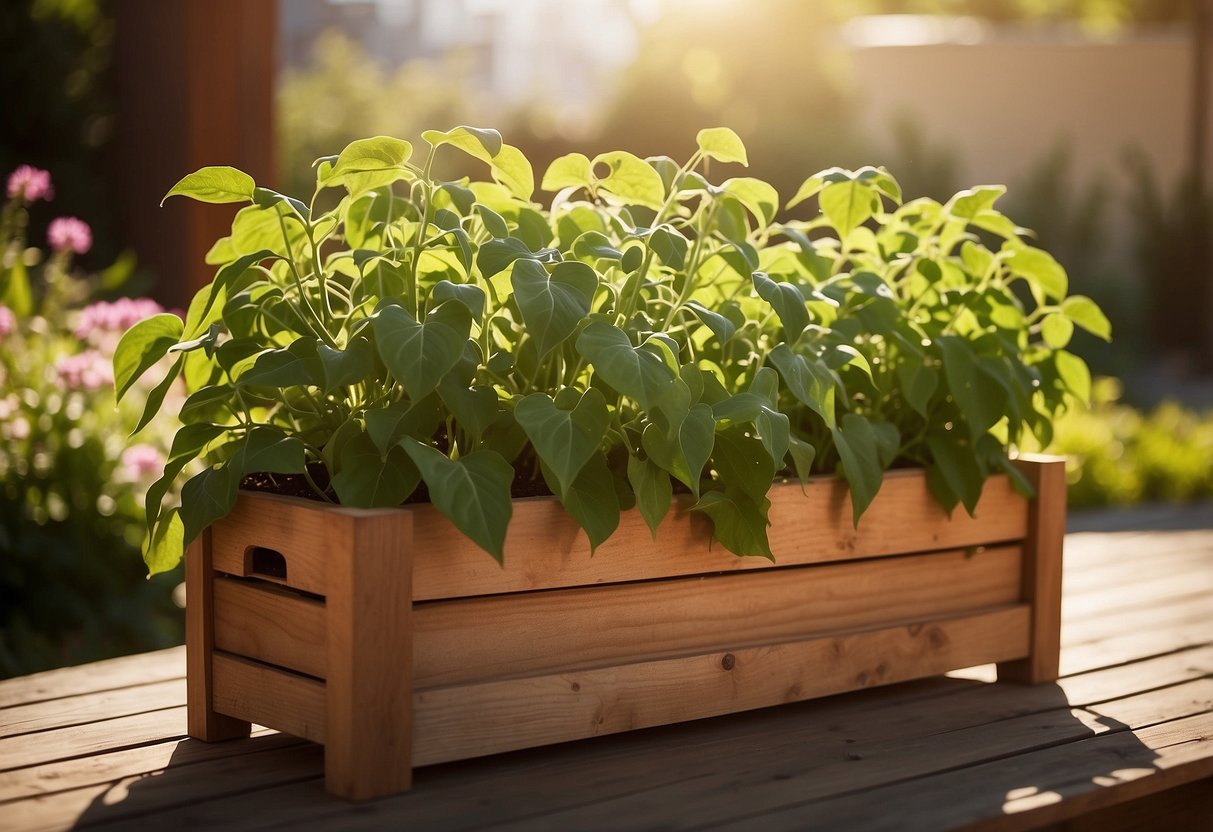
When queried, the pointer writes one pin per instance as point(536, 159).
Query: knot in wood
point(728, 661)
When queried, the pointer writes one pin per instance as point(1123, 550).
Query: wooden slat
point(499, 636)
point(276, 698)
point(368, 694)
point(93, 738)
point(1042, 571)
point(205, 723)
point(545, 549)
point(110, 674)
point(1027, 790)
point(84, 708)
point(308, 534)
point(271, 625)
point(108, 766)
point(453, 723)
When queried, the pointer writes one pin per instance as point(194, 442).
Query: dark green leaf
point(296, 365)
point(473, 492)
point(635, 372)
point(207, 497)
point(419, 355)
point(859, 449)
point(787, 301)
point(349, 366)
point(653, 490)
point(564, 439)
point(740, 523)
point(367, 478)
point(553, 305)
point(496, 255)
point(591, 499)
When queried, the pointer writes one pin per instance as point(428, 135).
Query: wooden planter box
point(393, 640)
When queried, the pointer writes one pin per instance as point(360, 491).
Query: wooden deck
point(104, 744)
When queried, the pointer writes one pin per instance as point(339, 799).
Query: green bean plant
point(654, 329)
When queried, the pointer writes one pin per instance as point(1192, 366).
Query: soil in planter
point(296, 485)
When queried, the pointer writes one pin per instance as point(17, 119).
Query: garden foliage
point(71, 490)
point(657, 330)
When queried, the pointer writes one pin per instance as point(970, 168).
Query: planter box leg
point(1042, 566)
point(202, 721)
point(368, 738)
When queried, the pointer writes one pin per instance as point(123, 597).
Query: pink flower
point(8, 322)
point(69, 233)
point(30, 184)
point(140, 461)
point(118, 316)
point(89, 370)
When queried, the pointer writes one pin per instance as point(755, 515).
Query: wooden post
point(369, 685)
point(1042, 571)
point(201, 720)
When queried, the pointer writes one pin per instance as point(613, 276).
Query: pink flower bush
point(30, 184)
point(67, 233)
point(117, 316)
point(141, 462)
point(89, 371)
point(8, 322)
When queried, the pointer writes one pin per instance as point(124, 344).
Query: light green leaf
point(1086, 313)
point(473, 492)
point(1040, 270)
point(968, 203)
point(1074, 374)
point(760, 198)
point(552, 305)
point(513, 172)
point(418, 355)
point(15, 292)
point(163, 549)
point(722, 144)
point(478, 142)
point(141, 346)
point(215, 184)
point(572, 170)
point(366, 164)
point(564, 439)
point(1056, 329)
point(847, 205)
point(631, 179)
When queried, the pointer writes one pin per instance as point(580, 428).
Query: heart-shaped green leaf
point(553, 305)
point(472, 491)
point(418, 355)
point(564, 439)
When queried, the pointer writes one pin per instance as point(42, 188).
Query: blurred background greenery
point(1093, 112)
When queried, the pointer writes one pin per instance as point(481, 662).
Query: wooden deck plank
point(110, 674)
point(91, 707)
point(1052, 785)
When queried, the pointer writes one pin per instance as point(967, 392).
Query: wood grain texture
point(369, 686)
point(205, 723)
point(1042, 574)
point(472, 720)
point(545, 549)
point(109, 674)
point(546, 632)
point(279, 699)
point(269, 624)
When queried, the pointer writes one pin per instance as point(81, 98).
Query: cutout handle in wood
point(260, 562)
